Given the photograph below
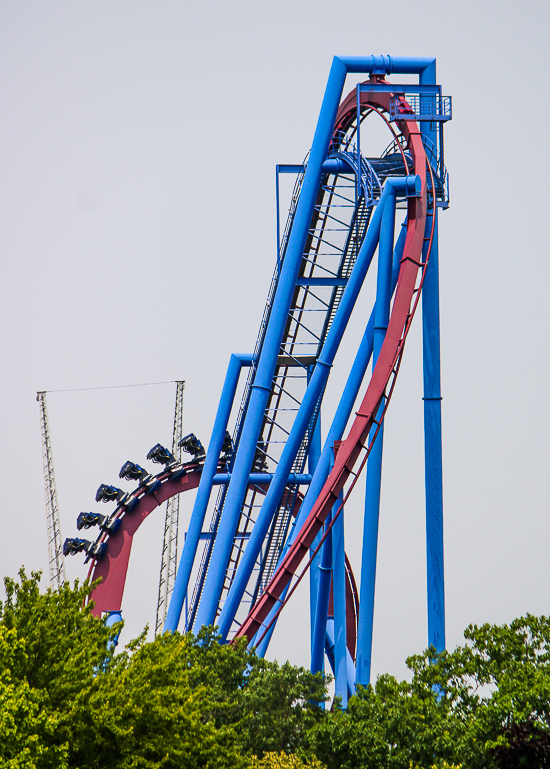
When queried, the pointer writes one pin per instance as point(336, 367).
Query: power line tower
point(55, 545)
point(170, 543)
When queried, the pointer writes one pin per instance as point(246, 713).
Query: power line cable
point(110, 387)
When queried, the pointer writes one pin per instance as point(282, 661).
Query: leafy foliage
point(484, 705)
point(278, 702)
point(284, 761)
point(67, 700)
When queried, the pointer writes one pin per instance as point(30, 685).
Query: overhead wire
point(111, 387)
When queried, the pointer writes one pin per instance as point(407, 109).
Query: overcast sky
point(138, 142)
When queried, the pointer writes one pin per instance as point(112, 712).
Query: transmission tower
point(55, 545)
point(170, 543)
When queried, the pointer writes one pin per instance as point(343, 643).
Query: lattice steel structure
point(169, 560)
point(56, 561)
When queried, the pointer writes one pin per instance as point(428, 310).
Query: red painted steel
point(357, 439)
point(113, 567)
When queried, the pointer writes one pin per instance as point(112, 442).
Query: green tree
point(150, 710)
point(395, 725)
point(484, 705)
point(284, 761)
point(26, 726)
point(67, 700)
point(50, 648)
point(179, 701)
point(279, 706)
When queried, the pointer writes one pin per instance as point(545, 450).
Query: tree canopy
point(68, 700)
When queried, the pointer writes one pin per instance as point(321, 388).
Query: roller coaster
point(281, 491)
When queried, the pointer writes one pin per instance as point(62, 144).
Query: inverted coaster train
point(279, 510)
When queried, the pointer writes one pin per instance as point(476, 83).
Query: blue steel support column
point(111, 619)
point(374, 464)
point(329, 651)
point(432, 424)
point(433, 451)
point(409, 186)
point(236, 362)
point(321, 610)
point(345, 407)
point(313, 461)
point(289, 271)
point(270, 349)
point(313, 458)
point(339, 601)
point(341, 417)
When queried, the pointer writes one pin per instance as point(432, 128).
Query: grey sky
point(137, 231)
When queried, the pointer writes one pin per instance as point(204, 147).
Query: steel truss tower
point(169, 559)
point(56, 561)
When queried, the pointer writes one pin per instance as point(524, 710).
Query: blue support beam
point(111, 619)
point(321, 609)
point(401, 186)
point(374, 464)
point(339, 603)
point(329, 651)
point(261, 387)
point(185, 566)
point(432, 420)
point(270, 349)
point(433, 451)
point(263, 479)
point(314, 455)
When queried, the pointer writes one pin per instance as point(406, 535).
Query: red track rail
point(112, 569)
point(387, 364)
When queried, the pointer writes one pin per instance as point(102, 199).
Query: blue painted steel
point(337, 166)
point(321, 609)
point(265, 366)
point(329, 651)
point(432, 423)
point(433, 451)
point(340, 420)
point(399, 186)
point(374, 465)
point(400, 89)
point(347, 400)
point(339, 601)
point(430, 107)
point(111, 619)
point(236, 363)
point(270, 349)
point(387, 65)
point(262, 479)
point(313, 460)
